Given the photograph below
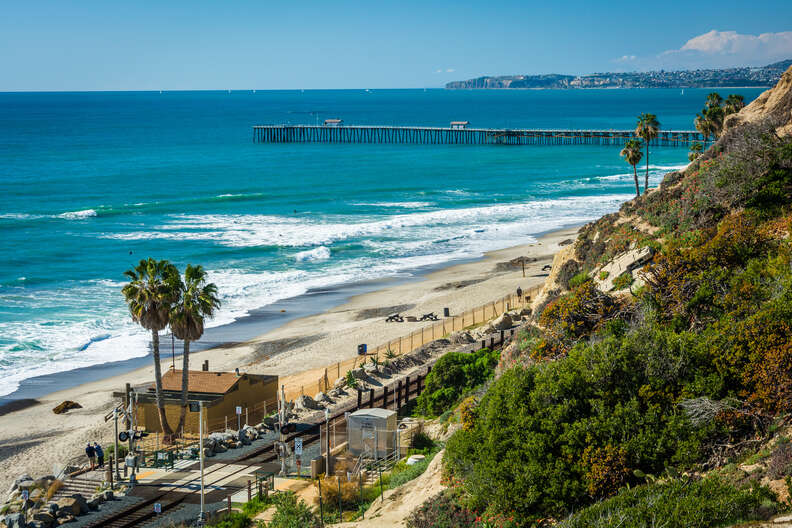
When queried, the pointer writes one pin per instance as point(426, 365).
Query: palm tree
point(734, 103)
point(695, 150)
point(149, 296)
point(715, 115)
point(197, 301)
point(632, 154)
point(647, 129)
point(714, 99)
point(703, 125)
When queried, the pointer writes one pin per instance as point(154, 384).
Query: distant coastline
point(745, 77)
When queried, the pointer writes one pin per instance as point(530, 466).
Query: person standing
point(90, 452)
point(99, 455)
point(519, 294)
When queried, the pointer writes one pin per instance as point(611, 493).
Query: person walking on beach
point(519, 294)
point(90, 452)
point(99, 455)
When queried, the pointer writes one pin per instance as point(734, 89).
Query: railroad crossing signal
point(239, 409)
point(157, 507)
point(298, 446)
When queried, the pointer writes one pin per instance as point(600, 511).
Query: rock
point(46, 518)
point(504, 322)
point(15, 520)
point(52, 508)
point(359, 373)
point(36, 494)
point(220, 448)
point(774, 103)
point(108, 495)
point(66, 519)
point(306, 403)
point(333, 393)
point(68, 506)
point(321, 397)
point(339, 383)
point(208, 452)
point(26, 484)
point(66, 406)
point(95, 502)
point(461, 338)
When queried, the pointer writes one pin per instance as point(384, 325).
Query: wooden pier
point(460, 136)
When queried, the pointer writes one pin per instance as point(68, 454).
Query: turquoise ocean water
point(92, 182)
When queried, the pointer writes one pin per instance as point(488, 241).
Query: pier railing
point(460, 136)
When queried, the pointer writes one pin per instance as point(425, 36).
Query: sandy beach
point(36, 441)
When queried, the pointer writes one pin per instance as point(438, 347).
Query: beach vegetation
point(195, 301)
point(604, 274)
point(709, 502)
point(291, 512)
point(632, 154)
point(351, 380)
point(579, 279)
point(454, 375)
point(623, 281)
point(647, 128)
point(150, 294)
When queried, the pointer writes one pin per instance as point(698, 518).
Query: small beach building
point(370, 430)
point(459, 125)
point(333, 122)
point(220, 392)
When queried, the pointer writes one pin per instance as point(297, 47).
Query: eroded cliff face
point(774, 103)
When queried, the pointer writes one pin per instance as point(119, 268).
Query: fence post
point(398, 396)
point(406, 390)
point(229, 505)
point(250, 496)
point(371, 398)
point(360, 397)
point(385, 397)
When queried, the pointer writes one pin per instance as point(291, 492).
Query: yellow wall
point(249, 392)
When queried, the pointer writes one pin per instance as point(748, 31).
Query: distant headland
point(763, 76)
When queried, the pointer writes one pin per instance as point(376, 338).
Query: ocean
point(92, 182)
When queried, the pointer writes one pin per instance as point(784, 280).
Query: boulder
point(45, 518)
point(306, 403)
point(15, 520)
point(81, 501)
point(461, 338)
point(208, 452)
point(339, 383)
point(359, 373)
point(333, 393)
point(322, 397)
point(66, 519)
point(504, 322)
point(66, 406)
point(36, 494)
point(26, 484)
point(95, 502)
point(68, 506)
point(108, 495)
point(52, 508)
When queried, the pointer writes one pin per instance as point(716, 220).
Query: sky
point(70, 45)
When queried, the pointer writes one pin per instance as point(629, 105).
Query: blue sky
point(267, 44)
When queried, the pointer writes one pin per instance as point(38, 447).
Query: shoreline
point(295, 350)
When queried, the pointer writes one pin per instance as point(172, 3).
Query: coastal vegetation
point(680, 376)
point(711, 118)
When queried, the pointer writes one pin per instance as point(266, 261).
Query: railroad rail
point(396, 395)
point(460, 136)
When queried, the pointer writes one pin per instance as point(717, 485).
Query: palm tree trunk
point(635, 176)
point(185, 381)
point(166, 430)
point(646, 180)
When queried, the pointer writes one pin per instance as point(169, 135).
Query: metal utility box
point(372, 430)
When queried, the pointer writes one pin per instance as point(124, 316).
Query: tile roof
point(199, 381)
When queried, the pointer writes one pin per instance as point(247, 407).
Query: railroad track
point(169, 500)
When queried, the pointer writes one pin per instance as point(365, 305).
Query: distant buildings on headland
point(764, 76)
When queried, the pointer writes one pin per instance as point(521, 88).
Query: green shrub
point(579, 279)
point(623, 281)
point(292, 513)
point(256, 505)
point(710, 502)
point(441, 511)
point(232, 520)
point(403, 473)
point(452, 376)
point(604, 275)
